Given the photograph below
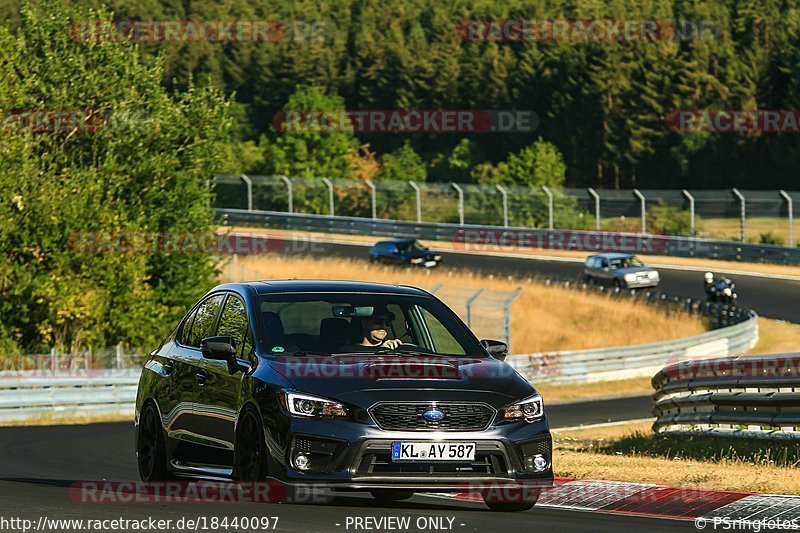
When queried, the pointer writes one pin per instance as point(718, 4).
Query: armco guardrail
point(33, 395)
point(643, 360)
point(752, 396)
point(472, 237)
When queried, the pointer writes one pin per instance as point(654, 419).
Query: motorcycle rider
point(709, 287)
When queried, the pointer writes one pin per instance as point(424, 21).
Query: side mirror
point(497, 349)
point(220, 349)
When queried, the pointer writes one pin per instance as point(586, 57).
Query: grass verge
point(633, 453)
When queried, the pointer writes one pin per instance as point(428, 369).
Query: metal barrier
point(27, 396)
point(753, 396)
point(492, 238)
point(604, 364)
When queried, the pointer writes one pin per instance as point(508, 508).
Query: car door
point(217, 393)
point(175, 393)
point(188, 364)
point(605, 273)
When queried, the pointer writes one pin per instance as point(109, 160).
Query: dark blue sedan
point(404, 252)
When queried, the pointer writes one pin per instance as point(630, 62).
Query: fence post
point(505, 204)
point(691, 210)
point(208, 188)
point(791, 217)
point(53, 360)
point(596, 207)
point(641, 198)
point(740, 196)
point(119, 355)
point(327, 182)
point(469, 305)
point(247, 181)
point(372, 195)
point(419, 199)
point(460, 202)
point(288, 183)
point(549, 194)
point(506, 327)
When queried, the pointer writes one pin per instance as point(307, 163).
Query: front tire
point(250, 454)
point(151, 451)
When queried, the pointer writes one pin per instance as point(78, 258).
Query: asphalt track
point(39, 464)
point(770, 297)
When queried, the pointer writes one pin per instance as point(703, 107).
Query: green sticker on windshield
point(277, 349)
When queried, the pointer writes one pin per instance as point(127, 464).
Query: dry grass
point(777, 336)
point(543, 318)
point(76, 420)
point(602, 390)
point(654, 260)
point(727, 464)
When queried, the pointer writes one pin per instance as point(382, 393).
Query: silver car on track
point(620, 270)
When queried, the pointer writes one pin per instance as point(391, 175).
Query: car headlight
point(306, 405)
point(726, 292)
point(437, 257)
point(652, 274)
point(530, 409)
point(630, 277)
point(416, 260)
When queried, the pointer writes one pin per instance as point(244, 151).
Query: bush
point(771, 238)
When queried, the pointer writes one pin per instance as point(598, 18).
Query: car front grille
point(409, 416)
point(375, 460)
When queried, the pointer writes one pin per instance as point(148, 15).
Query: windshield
point(411, 246)
point(363, 323)
point(625, 262)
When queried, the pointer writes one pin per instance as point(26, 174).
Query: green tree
point(539, 164)
point(130, 159)
point(402, 165)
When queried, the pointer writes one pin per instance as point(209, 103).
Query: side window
point(233, 321)
point(186, 330)
point(443, 341)
point(603, 262)
point(204, 321)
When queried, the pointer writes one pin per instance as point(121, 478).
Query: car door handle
point(201, 376)
point(168, 367)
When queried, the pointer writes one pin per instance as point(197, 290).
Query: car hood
point(632, 270)
point(401, 378)
point(421, 253)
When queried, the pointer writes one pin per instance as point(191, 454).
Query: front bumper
point(356, 456)
point(640, 283)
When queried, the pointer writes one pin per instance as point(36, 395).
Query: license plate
point(433, 451)
point(430, 263)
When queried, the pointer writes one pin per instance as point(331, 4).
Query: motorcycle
point(722, 291)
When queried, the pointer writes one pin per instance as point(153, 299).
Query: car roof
point(613, 255)
point(316, 285)
point(396, 241)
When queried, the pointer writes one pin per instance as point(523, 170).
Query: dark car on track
point(404, 252)
point(271, 380)
point(620, 270)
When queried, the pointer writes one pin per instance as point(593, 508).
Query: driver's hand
point(392, 344)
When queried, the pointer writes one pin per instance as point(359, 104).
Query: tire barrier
point(753, 396)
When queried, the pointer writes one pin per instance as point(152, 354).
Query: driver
point(374, 330)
